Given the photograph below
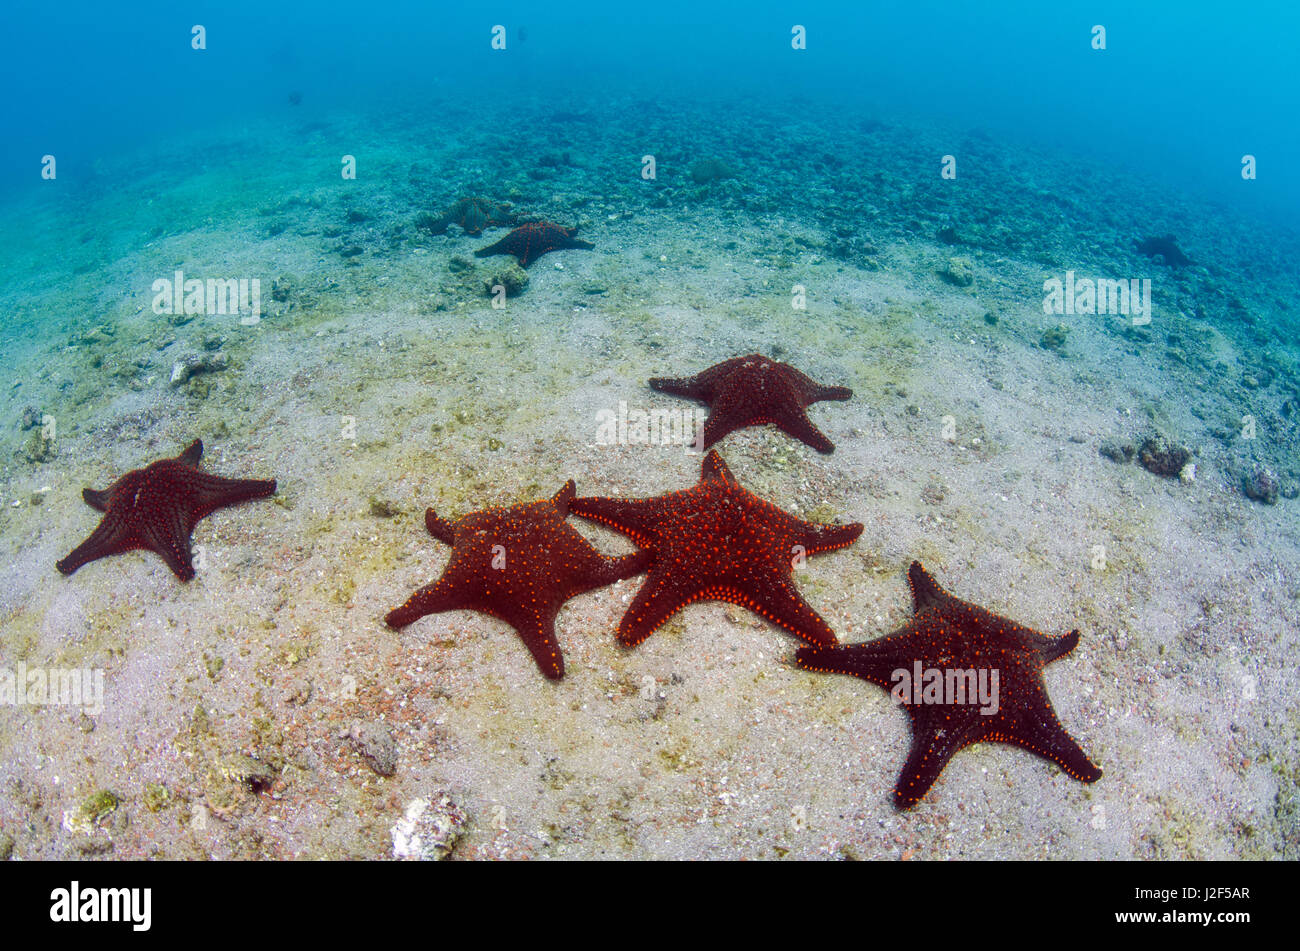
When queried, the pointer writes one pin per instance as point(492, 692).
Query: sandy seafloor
point(1184, 685)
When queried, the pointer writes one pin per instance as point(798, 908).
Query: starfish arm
point(539, 638)
point(212, 492)
point(651, 607)
point(821, 660)
point(609, 570)
point(817, 539)
point(1039, 731)
point(169, 539)
point(801, 428)
point(562, 499)
point(780, 602)
point(439, 527)
point(1046, 647)
point(702, 386)
point(809, 390)
point(687, 386)
point(925, 590)
point(873, 661)
point(718, 427)
point(1054, 648)
point(837, 393)
point(713, 469)
point(431, 599)
point(106, 539)
point(931, 750)
point(634, 518)
point(97, 499)
point(192, 453)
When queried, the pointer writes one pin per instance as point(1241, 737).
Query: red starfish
point(529, 242)
point(753, 391)
point(951, 636)
point(157, 508)
point(718, 542)
point(519, 564)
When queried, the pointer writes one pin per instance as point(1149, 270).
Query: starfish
point(529, 242)
point(1166, 247)
point(157, 508)
point(472, 215)
point(519, 564)
point(718, 542)
point(753, 391)
point(951, 646)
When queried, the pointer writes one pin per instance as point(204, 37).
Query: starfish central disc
point(718, 542)
point(755, 391)
point(519, 564)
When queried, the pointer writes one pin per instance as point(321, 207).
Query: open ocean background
point(1183, 90)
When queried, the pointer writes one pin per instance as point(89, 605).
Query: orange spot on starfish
point(529, 242)
point(519, 564)
point(754, 391)
point(948, 634)
point(718, 542)
point(157, 507)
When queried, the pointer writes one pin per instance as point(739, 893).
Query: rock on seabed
point(429, 830)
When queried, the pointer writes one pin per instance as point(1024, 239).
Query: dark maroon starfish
point(1167, 248)
point(529, 242)
point(519, 564)
point(718, 542)
point(928, 665)
point(157, 507)
point(753, 391)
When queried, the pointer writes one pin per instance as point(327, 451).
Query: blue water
point(1182, 91)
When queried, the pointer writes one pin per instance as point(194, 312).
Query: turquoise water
point(1181, 90)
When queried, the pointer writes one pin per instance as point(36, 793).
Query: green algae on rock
point(1053, 338)
point(471, 215)
point(508, 276)
point(958, 272)
point(711, 170)
point(1161, 456)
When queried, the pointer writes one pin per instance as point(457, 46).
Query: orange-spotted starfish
point(157, 508)
point(718, 542)
point(753, 391)
point(519, 564)
point(949, 646)
point(529, 242)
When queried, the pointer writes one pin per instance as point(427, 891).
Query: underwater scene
point(772, 431)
